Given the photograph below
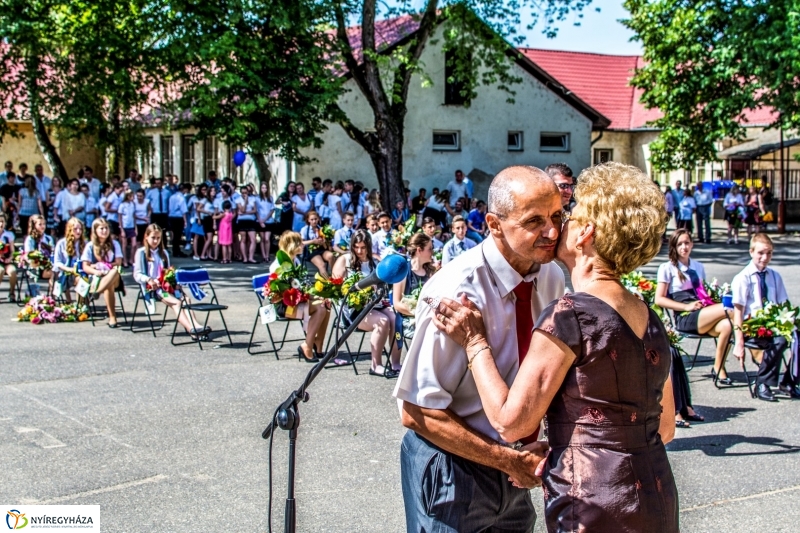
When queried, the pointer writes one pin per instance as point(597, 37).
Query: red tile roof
point(601, 81)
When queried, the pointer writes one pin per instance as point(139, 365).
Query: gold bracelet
point(471, 359)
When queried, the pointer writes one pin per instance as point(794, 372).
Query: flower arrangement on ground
point(399, 238)
point(44, 309)
point(353, 298)
point(286, 285)
point(772, 320)
point(329, 289)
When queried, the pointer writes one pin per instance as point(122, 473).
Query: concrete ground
point(168, 438)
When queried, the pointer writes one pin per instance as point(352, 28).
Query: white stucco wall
point(484, 128)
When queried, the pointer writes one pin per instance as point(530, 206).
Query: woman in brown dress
point(598, 368)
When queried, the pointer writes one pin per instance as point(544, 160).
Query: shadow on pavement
point(720, 414)
point(718, 445)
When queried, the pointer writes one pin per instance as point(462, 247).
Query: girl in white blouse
point(7, 258)
point(67, 257)
point(678, 282)
point(148, 264)
point(732, 202)
point(380, 321)
point(100, 258)
point(37, 239)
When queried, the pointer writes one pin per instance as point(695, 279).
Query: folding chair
point(119, 292)
point(749, 344)
point(699, 336)
point(192, 281)
point(24, 278)
point(258, 286)
point(153, 328)
point(342, 326)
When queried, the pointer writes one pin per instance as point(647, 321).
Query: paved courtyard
point(168, 438)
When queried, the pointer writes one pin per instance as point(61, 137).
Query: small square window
point(514, 141)
point(603, 155)
point(447, 141)
point(554, 142)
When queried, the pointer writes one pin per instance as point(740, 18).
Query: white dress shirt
point(667, 273)
point(159, 200)
point(435, 373)
point(453, 248)
point(703, 198)
point(94, 187)
point(177, 206)
point(113, 201)
point(746, 290)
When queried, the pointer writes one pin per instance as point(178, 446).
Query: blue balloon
point(239, 158)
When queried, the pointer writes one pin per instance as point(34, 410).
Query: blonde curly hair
point(627, 211)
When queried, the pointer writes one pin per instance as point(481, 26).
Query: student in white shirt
point(317, 247)
point(149, 262)
point(90, 207)
point(342, 237)
point(100, 258)
point(39, 240)
point(127, 221)
point(202, 210)
point(67, 257)
point(335, 206)
point(246, 222)
point(71, 203)
point(265, 209)
point(381, 320)
point(177, 218)
point(429, 227)
point(379, 238)
point(459, 243)
point(112, 208)
point(141, 213)
point(732, 203)
point(753, 287)
point(7, 258)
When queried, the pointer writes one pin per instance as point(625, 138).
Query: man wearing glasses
point(562, 176)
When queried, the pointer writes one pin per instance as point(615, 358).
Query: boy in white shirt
point(341, 239)
point(752, 288)
point(379, 245)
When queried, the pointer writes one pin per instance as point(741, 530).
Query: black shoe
point(722, 381)
point(763, 392)
point(391, 373)
point(788, 390)
point(304, 358)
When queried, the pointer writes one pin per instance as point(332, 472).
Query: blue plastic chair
point(199, 277)
point(258, 286)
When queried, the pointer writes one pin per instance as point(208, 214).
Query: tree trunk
point(388, 163)
point(39, 128)
point(262, 167)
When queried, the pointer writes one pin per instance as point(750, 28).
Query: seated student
point(37, 239)
point(752, 288)
point(315, 315)
point(380, 237)
point(400, 213)
point(316, 245)
point(7, 259)
point(678, 282)
point(459, 243)
point(341, 239)
point(148, 263)
point(381, 320)
point(476, 222)
point(371, 224)
point(429, 227)
point(100, 258)
point(421, 268)
point(67, 257)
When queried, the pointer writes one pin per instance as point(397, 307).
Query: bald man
point(455, 467)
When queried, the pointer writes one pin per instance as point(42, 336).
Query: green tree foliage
point(255, 73)
point(707, 63)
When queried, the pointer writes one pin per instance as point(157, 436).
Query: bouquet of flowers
point(43, 309)
point(411, 299)
point(772, 320)
point(355, 299)
point(327, 232)
point(286, 284)
point(674, 338)
point(166, 281)
point(399, 238)
point(5, 249)
point(329, 289)
point(641, 286)
point(712, 293)
point(35, 259)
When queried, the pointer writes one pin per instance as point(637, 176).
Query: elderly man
point(455, 467)
point(565, 181)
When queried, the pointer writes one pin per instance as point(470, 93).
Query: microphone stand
point(288, 417)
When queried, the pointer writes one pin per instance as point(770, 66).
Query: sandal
point(682, 424)
point(695, 418)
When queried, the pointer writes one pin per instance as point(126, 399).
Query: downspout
point(598, 138)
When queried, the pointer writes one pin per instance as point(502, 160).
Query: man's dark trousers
point(176, 225)
point(445, 493)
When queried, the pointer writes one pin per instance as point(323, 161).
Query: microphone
point(392, 269)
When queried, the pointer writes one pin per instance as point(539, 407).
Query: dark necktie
point(762, 286)
point(160, 201)
point(524, 332)
point(463, 248)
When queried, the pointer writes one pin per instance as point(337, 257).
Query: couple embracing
point(500, 346)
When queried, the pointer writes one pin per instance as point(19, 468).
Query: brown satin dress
point(608, 469)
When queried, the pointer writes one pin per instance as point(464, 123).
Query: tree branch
point(372, 73)
point(404, 71)
point(347, 54)
point(359, 136)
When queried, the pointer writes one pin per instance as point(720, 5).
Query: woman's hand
point(738, 352)
point(693, 306)
point(462, 322)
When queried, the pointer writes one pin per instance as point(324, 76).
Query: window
point(447, 141)
point(514, 141)
point(167, 155)
point(603, 155)
point(210, 155)
point(453, 87)
point(187, 153)
point(554, 142)
point(146, 160)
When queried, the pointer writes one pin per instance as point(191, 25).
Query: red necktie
point(524, 332)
